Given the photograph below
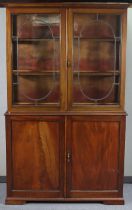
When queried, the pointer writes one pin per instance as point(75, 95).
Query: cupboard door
point(38, 55)
point(95, 156)
point(97, 64)
point(37, 151)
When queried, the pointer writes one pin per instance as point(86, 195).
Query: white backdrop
point(3, 94)
point(3, 91)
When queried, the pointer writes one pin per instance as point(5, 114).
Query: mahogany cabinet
point(65, 122)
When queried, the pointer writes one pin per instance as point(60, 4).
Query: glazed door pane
point(36, 58)
point(96, 41)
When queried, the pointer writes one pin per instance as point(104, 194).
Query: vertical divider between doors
point(63, 73)
point(69, 55)
point(66, 102)
point(68, 150)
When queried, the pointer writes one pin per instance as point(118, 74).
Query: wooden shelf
point(118, 39)
point(34, 73)
point(15, 39)
point(97, 103)
point(38, 103)
point(97, 73)
point(57, 38)
point(88, 73)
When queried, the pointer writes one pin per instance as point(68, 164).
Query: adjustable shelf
point(15, 39)
point(96, 73)
point(34, 73)
point(118, 39)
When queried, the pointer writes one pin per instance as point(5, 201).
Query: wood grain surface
point(37, 155)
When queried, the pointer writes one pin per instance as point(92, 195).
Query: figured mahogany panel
point(94, 147)
point(36, 152)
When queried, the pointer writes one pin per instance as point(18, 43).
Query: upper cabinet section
point(97, 62)
point(36, 64)
point(66, 59)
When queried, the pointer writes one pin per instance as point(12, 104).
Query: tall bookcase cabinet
point(65, 124)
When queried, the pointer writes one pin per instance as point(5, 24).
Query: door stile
point(63, 73)
point(68, 156)
point(70, 56)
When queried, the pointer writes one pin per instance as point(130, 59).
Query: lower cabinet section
point(65, 158)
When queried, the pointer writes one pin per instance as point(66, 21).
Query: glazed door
point(36, 41)
point(96, 60)
point(94, 156)
point(37, 156)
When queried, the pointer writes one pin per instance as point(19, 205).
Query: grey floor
point(68, 206)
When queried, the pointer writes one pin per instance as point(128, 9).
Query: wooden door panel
point(91, 152)
point(94, 144)
point(37, 155)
